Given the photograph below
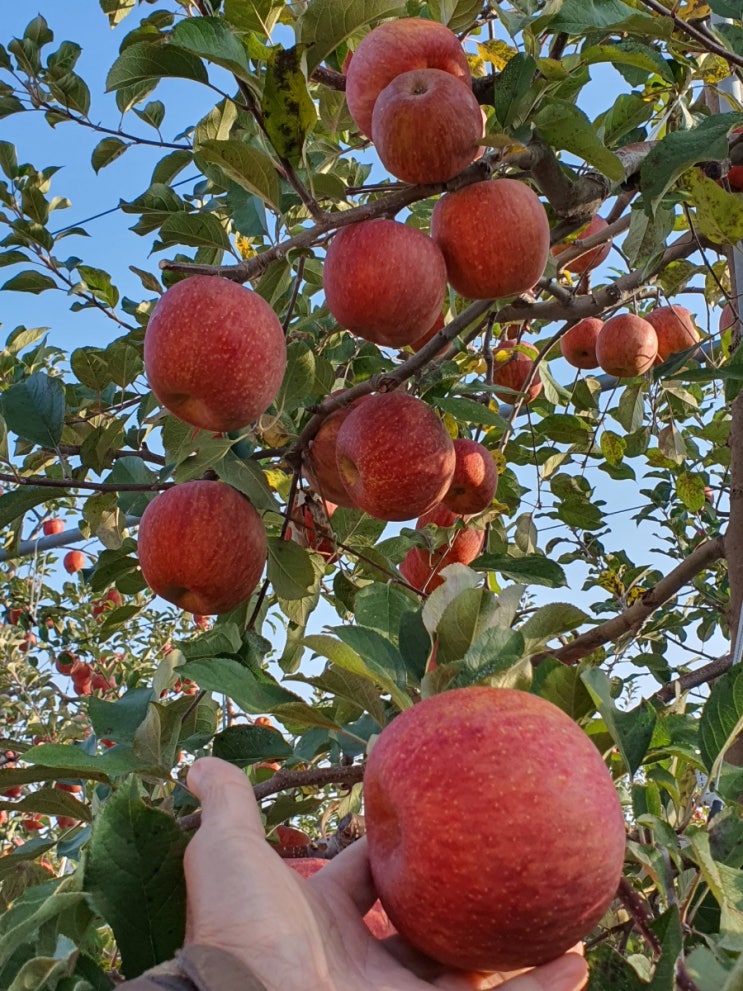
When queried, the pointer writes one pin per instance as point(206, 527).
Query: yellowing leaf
point(714, 69)
point(498, 53)
point(719, 214)
point(245, 246)
point(692, 9)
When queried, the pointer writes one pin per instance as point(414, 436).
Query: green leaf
point(290, 569)
point(631, 730)
point(35, 408)
point(354, 689)
point(511, 86)
point(612, 447)
point(259, 16)
point(719, 214)
point(251, 169)
point(562, 685)
point(551, 621)
point(198, 230)
point(70, 762)
point(378, 653)
point(579, 16)
point(243, 745)
point(722, 716)
point(679, 150)
point(289, 112)
point(99, 284)
point(8, 159)
point(564, 126)
point(247, 477)
point(229, 677)
point(343, 656)
point(212, 39)
point(29, 281)
point(326, 23)
point(628, 52)
point(381, 606)
point(107, 151)
point(91, 368)
point(13, 505)
point(690, 490)
point(532, 569)
point(120, 720)
point(458, 15)
point(143, 62)
point(134, 874)
point(299, 378)
point(470, 411)
point(32, 911)
point(116, 10)
point(496, 659)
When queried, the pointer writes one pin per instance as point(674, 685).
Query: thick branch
point(694, 679)
point(285, 780)
point(633, 618)
point(76, 483)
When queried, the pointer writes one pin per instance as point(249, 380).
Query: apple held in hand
point(202, 546)
point(495, 237)
point(475, 479)
point(214, 353)
point(395, 457)
point(384, 281)
point(578, 345)
point(393, 48)
point(427, 125)
point(675, 329)
point(626, 346)
point(524, 833)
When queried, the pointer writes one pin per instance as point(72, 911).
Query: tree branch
point(633, 618)
point(699, 34)
point(670, 691)
point(75, 483)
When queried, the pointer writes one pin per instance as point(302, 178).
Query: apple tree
point(616, 123)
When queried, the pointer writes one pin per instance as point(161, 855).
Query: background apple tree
point(630, 629)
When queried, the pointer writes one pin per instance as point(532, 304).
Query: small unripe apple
point(395, 47)
point(73, 561)
point(427, 126)
point(384, 281)
point(214, 353)
point(51, 527)
point(524, 832)
point(513, 367)
point(202, 546)
point(578, 345)
point(495, 237)
point(475, 478)
point(626, 346)
point(675, 329)
point(395, 457)
point(591, 258)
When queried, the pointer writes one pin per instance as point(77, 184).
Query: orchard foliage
point(610, 623)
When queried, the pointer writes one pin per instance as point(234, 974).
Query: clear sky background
point(113, 247)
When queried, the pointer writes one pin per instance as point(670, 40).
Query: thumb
point(225, 795)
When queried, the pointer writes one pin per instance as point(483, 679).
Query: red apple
point(376, 918)
point(65, 661)
point(73, 561)
point(290, 836)
point(320, 462)
point(591, 258)
point(426, 125)
point(310, 527)
point(65, 822)
point(626, 346)
point(727, 318)
point(214, 353)
point(675, 329)
point(495, 237)
point(395, 457)
point(393, 48)
point(53, 526)
point(475, 478)
point(110, 600)
point(384, 281)
point(421, 568)
point(513, 369)
point(578, 345)
point(550, 833)
point(202, 546)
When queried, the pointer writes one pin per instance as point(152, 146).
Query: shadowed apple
point(475, 479)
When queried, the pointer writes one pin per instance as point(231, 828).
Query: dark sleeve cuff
point(197, 968)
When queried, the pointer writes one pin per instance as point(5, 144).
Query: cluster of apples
point(85, 678)
point(626, 344)
point(214, 355)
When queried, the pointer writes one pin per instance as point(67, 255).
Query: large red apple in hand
point(427, 125)
point(214, 353)
point(496, 838)
point(395, 457)
point(495, 237)
point(393, 48)
point(202, 546)
point(384, 281)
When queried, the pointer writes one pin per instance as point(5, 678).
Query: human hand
point(303, 935)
